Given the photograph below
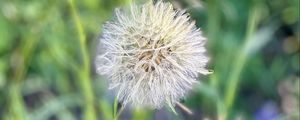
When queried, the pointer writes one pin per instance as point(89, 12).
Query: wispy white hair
point(151, 54)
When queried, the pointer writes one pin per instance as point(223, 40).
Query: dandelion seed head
point(151, 54)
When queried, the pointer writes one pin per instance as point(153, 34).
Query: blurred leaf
point(260, 39)
point(55, 106)
point(106, 110)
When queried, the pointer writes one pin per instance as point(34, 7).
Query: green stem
point(84, 72)
point(115, 108)
point(116, 112)
point(213, 31)
point(17, 108)
point(234, 77)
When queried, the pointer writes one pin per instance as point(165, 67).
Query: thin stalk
point(219, 101)
point(234, 77)
point(117, 113)
point(120, 112)
point(115, 110)
point(84, 71)
point(184, 108)
point(213, 31)
point(17, 108)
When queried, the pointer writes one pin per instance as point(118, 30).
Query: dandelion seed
point(151, 54)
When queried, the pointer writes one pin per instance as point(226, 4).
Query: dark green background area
point(47, 51)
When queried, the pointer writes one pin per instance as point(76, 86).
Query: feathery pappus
point(151, 54)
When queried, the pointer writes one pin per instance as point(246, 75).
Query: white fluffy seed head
point(151, 54)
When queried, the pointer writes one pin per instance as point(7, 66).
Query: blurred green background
point(47, 50)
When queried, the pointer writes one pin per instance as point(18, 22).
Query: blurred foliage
point(47, 72)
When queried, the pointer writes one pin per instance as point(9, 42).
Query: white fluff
point(151, 54)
